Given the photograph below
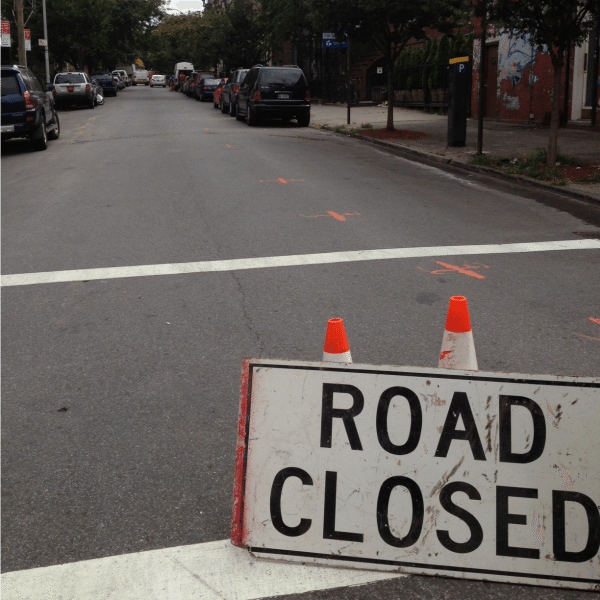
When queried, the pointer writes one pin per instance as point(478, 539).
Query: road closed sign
point(456, 473)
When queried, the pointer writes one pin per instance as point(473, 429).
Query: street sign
point(42, 43)
point(5, 34)
point(27, 39)
point(463, 474)
point(330, 42)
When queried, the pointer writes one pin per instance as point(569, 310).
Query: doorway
point(490, 81)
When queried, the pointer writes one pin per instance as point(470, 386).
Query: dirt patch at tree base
point(396, 134)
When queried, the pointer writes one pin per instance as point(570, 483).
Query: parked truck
point(140, 75)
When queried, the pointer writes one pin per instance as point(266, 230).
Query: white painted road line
point(297, 260)
point(215, 570)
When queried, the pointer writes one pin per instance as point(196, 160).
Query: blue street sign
point(333, 44)
point(329, 41)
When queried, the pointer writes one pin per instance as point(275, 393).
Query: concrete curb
point(408, 152)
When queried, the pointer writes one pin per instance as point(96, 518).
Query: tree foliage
point(90, 33)
point(232, 35)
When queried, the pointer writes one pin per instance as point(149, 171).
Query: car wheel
point(232, 108)
point(304, 120)
point(251, 118)
point(91, 104)
point(42, 142)
point(224, 108)
point(53, 135)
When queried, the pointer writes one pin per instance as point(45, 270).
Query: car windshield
point(287, 77)
point(70, 78)
point(10, 85)
point(212, 81)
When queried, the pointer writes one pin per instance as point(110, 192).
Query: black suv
point(274, 92)
point(230, 91)
point(27, 110)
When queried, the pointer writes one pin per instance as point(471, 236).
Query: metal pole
point(595, 53)
point(348, 69)
point(46, 51)
point(21, 33)
point(480, 70)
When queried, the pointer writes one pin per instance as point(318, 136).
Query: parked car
point(206, 88)
point(195, 80)
point(158, 80)
point(73, 87)
point(109, 85)
point(274, 92)
point(229, 94)
point(119, 81)
point(27, 110)
point(124, 77)
point(217, 94)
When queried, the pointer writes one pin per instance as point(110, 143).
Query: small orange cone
point(336, 347)
point(458, 348)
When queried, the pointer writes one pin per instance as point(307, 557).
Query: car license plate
point(284, 96)
point(70, 88)
point(8, 128)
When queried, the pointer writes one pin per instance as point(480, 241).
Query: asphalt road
point(120, 396)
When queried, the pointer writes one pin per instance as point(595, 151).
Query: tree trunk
point(390, 86)
point(555, 116)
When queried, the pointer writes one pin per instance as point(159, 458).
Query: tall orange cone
point(458, 348)
point(336, 347)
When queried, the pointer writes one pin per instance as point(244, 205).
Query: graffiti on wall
point(515, 54)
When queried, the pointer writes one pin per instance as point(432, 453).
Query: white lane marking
point(212, 266)
point(214, 570)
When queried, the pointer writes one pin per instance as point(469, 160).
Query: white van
point(183, 68)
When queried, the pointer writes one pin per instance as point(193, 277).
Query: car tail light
point(87, 87)
point(53, 90)
point(307, 96)
point(236, 89)
point(256, 95)
point(29, 103)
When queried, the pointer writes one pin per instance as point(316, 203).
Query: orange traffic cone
point(336, 347)
point(458, 349)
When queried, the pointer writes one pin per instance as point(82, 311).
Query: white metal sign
point(42, 42)
point(464, 474)
point(27, 39)
point(5, 33)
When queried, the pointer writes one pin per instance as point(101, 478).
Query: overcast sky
point(183, 6)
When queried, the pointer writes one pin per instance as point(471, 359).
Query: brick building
point(518, 80)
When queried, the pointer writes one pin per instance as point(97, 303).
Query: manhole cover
point(594, 235)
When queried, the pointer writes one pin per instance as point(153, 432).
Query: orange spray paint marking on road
point(594, 320)
point(464, 270)
point(587, 337)
point(229, 146)
point(281, 180)
point(330, 213)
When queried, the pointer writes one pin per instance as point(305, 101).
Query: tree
point(389, 24)
point(553, 25)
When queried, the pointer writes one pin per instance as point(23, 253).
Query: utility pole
point(21, 33)
point(483, 8)
point(46, 51)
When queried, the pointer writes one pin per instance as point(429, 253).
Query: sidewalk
point(500, 140)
